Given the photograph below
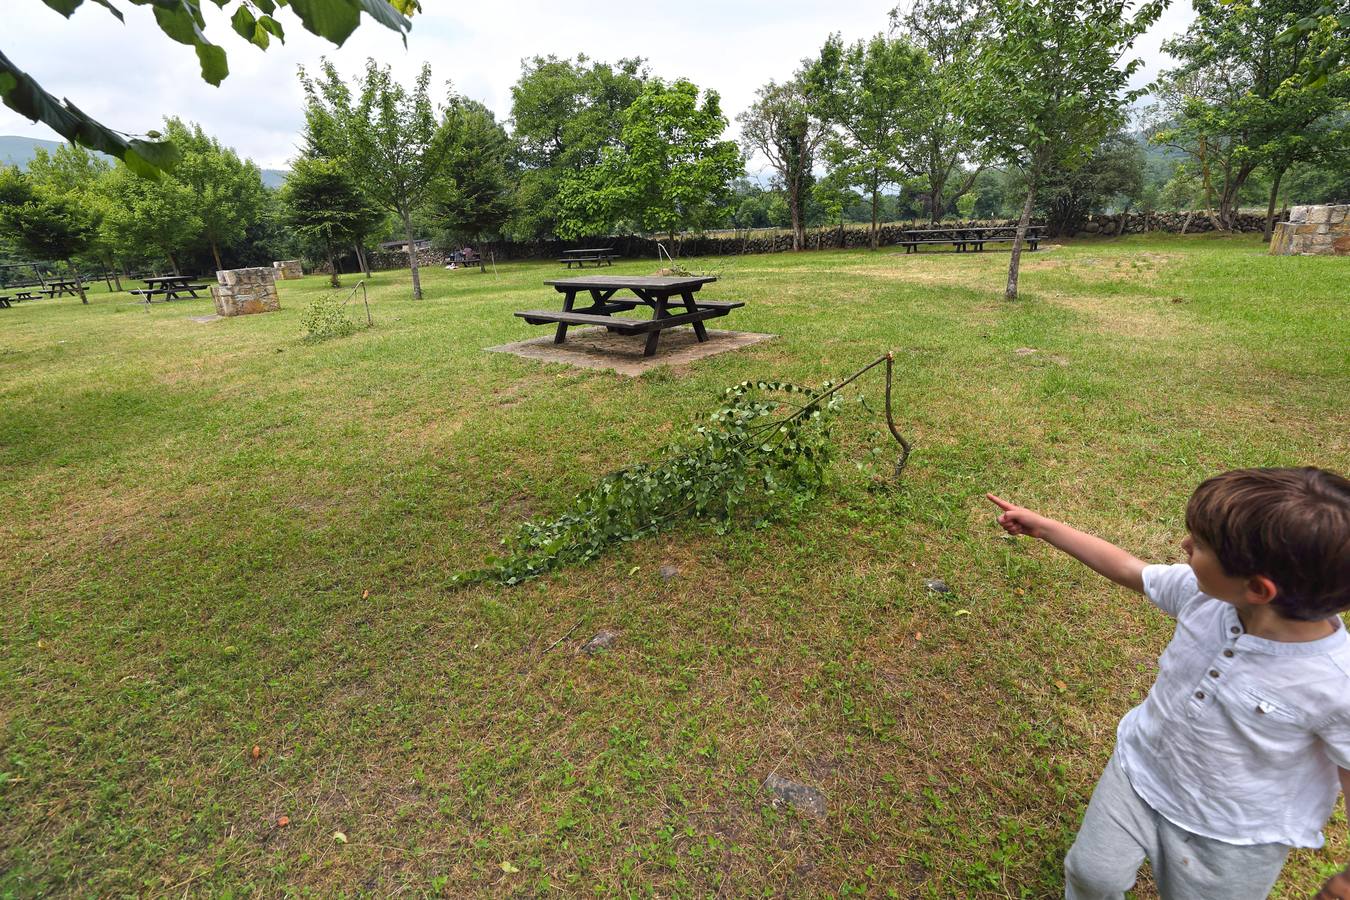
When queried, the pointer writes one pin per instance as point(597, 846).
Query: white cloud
point(131, 76)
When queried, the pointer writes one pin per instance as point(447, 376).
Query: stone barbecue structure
point(242, 292)
point(1313, 230)
point(288, 269)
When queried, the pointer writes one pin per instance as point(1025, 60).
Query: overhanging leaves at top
point(182, 21)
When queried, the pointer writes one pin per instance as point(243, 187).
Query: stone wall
point(1313, 230)
point(242, 292)
point(288, 269)
point(769, 240)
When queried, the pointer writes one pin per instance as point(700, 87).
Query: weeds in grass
point(326, 317)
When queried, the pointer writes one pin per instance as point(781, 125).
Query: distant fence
point(779, 240)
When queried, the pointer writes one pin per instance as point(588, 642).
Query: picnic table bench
point(601, 256)
point(964, 238)
point(670, 299)
point(171, 287)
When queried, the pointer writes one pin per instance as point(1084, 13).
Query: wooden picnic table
point(660, 294)
point(964, 237)
point(601, 256)
point(57, 287)
point(172, 287)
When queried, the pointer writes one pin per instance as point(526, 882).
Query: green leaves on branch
point(752, 449)
point(743, 450)
point(27, 98)
point(183, 21)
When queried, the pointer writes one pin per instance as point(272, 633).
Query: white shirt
point(1240, 737)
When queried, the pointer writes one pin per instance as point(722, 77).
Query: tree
point(565, 114)
point(785, 125)
point(671, 173)
point(1047, 90)
point(141, 214)
point(473, 200)
point(950, 32)
point(182, 21)
point(325, 207)
point(391, 140)
point(1114, 170)
point(45, 226)
point(228, 192)
point(1237, 101)
point(73, 172)
point(870, 92)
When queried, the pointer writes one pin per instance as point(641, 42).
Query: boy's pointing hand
point(1018, 520)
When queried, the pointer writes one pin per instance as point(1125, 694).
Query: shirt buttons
point(1228, 653)
point(1213, 673)
point(1199, 695)
point(1235, 630)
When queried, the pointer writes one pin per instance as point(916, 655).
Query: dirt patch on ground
point(598, 348)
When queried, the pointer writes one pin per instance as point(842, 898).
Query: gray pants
point(1119, 830)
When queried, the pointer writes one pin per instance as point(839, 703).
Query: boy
point(1238, 751)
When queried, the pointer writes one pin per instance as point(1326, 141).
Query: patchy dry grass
point(216, 536)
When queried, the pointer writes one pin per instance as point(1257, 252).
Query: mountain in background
point(19, 151)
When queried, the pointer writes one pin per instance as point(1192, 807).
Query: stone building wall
point(1313, 230)
point(242, 292)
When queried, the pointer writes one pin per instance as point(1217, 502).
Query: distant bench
point(600, 256)
point(967, 238)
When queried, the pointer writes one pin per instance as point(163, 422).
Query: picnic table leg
point(689, 305)
point(655, 334)
point(568, 299)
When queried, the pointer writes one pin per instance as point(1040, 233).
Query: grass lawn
point(216, 536)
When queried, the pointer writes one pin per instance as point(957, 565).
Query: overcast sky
point(130, 76)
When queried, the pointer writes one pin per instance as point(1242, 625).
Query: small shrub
point(326, 317)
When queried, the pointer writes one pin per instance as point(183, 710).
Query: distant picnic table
point(600, 256)
point(966, 237)
point(662, 295)
point(171, 287)
point(56, 287)
point(8, 300)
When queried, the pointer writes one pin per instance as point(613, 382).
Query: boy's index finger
point(999, 502)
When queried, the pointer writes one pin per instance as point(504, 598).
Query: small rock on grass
point(603, 640)
point(668, 572)
point(937, 586)
point(806, 800)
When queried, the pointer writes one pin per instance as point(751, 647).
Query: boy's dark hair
point(1290, 525)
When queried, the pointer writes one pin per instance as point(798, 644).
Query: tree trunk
point(482, 258)
point(1010, 293)
point(873, 239)
point(794, 209)
point(173, 262)
point(361, 258)
point(412, 255)
point(1269, 231)
point(333, 269)
point(79, 282)
point(1186, 223)
point(215, 251)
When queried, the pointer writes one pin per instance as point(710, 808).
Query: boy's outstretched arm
point(1101, 556)
point(1338, 885)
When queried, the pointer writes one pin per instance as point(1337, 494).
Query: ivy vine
point(768, 441)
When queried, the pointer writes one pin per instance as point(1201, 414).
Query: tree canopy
point(393, 140)
point(1047, 88)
